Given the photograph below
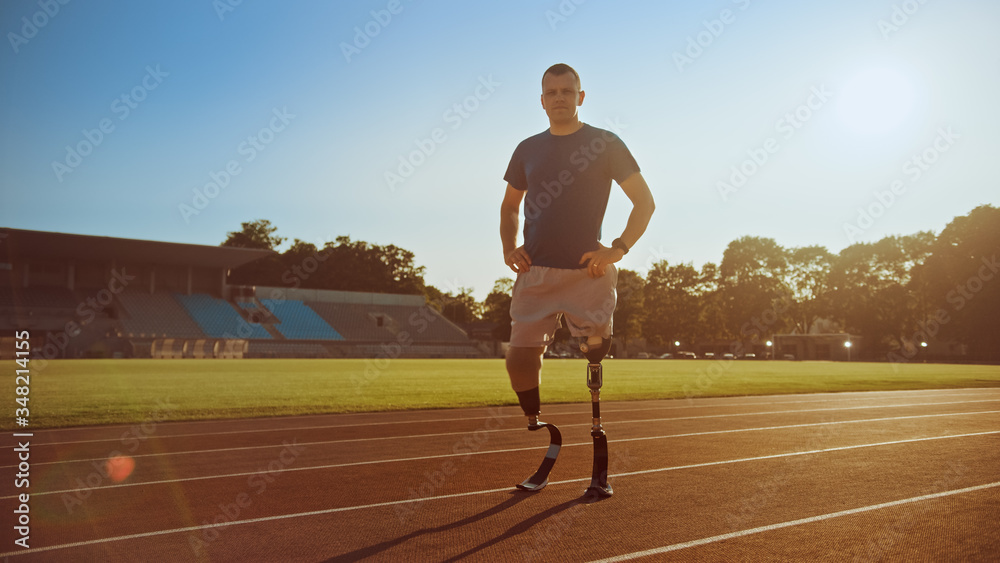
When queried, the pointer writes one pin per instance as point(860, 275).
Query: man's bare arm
point(638, 193)
point(514, 256)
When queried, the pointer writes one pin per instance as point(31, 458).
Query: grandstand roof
point(17, 245)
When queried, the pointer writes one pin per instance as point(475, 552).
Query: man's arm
point(514, 256)
point(638, 193)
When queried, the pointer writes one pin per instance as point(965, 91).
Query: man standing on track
point(564, 177)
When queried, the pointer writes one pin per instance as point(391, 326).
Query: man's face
point(561, 97)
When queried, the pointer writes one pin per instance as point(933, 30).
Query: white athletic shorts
point(542, 295)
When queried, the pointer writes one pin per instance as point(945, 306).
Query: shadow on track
point(527, 524)
point(516, 498)
point(371, 550)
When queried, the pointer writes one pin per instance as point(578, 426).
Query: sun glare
point(876, 101)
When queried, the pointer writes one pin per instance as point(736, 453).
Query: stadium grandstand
point(87, 296)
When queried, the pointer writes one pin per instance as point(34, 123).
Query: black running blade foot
point(541, 477)
point(599, 479)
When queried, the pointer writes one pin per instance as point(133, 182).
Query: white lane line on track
point(747, 400)
point(510, 450)
point(439, 434)
point(611, 425)
point(799, 522)
point(605, 409)
point(789, 454)
point(492, 491)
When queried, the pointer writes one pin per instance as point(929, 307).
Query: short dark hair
point(560, 69)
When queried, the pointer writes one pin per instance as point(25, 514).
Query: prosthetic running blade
point(541, 477)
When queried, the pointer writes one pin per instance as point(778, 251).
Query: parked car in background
point(666, 356)
point(686, 356)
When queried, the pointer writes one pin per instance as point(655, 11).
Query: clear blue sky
point(693, 89)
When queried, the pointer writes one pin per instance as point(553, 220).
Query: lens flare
point(119, 467)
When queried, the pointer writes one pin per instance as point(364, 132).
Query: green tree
point(301, 263)
point(259, 234)
point(255, 234)
point(711, 320)
point(671, 303)
point(344, 264)
point(752, 291)
point(462, 308)
point(629, 310)
point(870, 290)
point(961, 282)
point(808, 278)
point(360, 266)
point(496, 308)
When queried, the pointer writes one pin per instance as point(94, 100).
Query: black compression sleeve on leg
point(531, 402)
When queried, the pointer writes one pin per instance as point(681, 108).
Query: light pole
point(848, 346)
point(770, 348)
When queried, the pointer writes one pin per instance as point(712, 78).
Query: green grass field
point(91, 392)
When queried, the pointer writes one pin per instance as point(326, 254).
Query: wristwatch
point(620, 245)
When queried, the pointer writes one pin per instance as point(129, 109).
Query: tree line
point(896, 293)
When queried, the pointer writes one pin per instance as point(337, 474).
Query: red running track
point(862, 476)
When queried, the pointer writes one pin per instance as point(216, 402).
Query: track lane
point(713, 499)
point(106, 509)
point(325, 455)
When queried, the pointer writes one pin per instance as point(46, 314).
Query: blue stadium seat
point(218, 319)
point(299, 322)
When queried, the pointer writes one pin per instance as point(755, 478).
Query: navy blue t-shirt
point(568, 182)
